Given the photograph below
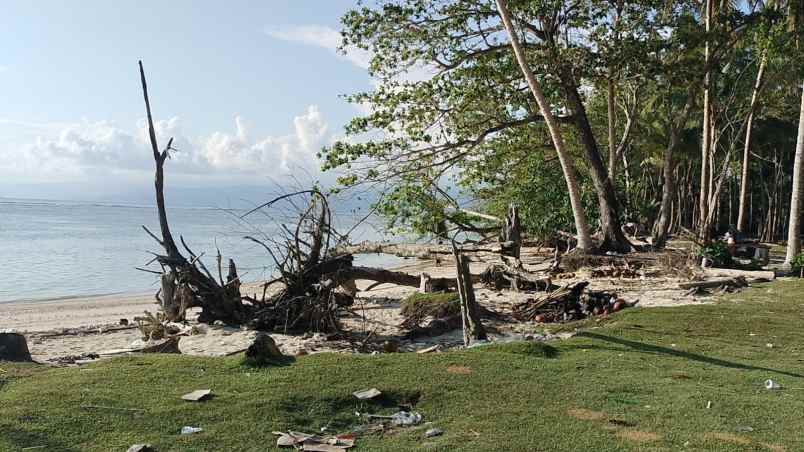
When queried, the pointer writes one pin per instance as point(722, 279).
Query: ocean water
point(57, 249)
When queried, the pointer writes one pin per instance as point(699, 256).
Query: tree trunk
point(584, 239)
point(472, 326)
point(512, 236)
point(793, 243)
point(706, 140)
point(743, 203)
point(613, 237)
point(662, 225)
point(612, 127)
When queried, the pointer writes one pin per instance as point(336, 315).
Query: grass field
point(685, 378)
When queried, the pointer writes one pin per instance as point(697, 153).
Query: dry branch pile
point(571, 302)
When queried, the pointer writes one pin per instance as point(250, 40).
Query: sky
point(250, 91)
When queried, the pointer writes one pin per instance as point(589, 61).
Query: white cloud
point(324, 37)
point(91, 147)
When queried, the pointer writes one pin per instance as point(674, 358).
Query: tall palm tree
point(584, 239)
point(793, 242)
point(795, 12)
point(706, 140)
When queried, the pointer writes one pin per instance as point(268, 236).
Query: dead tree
point(472, 326)
point(186, 282)
point(511, 237)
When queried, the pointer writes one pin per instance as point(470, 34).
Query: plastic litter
point(770, 384)
point(405, 418)
point(197, 396)
point(187, 430)
point(433, 432)
point(367, 394)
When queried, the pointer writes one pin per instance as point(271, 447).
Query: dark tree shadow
point(23, 439)
point(655, 349)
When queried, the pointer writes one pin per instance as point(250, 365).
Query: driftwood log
point(420, 251)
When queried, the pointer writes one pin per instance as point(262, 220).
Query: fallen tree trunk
point(399, 278)
point(412, 250)
point(737, 281)
point(732, 273)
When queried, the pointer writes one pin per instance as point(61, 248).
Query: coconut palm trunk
point(706, 139)
point(584, 239)
point(793, 242)
point(742, 216)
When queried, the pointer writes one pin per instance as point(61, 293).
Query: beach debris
point(169, 345)
point(197, 395)
point(14, 347)
point(188, 430)
point(431, 349)
point(263, 349)
point(141, 448)
point(400, 418)
point(75, 359)
point(124, 322)
point(568, 303)
point(308, 442)
point(433, 432)
point(771, 385)
point(367, 394)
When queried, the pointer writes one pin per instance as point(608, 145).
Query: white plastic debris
point(433, 432)
point(198, 395)
point(405, 418)
point(187, 430)
point(770, 384)
point(367, 394)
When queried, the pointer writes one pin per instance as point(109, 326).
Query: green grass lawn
point(641, 381)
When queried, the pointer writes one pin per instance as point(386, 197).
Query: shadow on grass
point(301, 412)
point(648, 348)
point(24, 440)
point(283, 361)
point(527, 348)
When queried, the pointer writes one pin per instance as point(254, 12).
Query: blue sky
point(249, 89)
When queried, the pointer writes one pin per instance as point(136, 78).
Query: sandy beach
point(79, 326)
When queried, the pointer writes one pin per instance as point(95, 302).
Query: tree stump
point(511, 237)
point(426, 283)
point(13, 347)
point(472, 327)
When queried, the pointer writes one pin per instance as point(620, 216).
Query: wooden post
point(511, 237)
point(472, 327)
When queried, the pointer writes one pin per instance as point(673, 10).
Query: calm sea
point(57, 249)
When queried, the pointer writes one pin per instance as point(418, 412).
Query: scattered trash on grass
point(197, 395)
point(770, 384)
point(187, 430)
point(367, 394)
point(433, 432)
point(400, 418)
point(141, 448)
point(305, 441)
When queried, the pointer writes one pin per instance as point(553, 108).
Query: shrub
point(717, 252)
point(797, 264)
